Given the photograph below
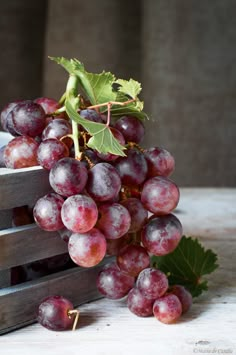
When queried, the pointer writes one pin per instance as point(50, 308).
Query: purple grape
point(167, 309)
point(132, 168)
point(21, 152)
point(139, 304)
point(183, 295)
point(28, 118)
point(160, 195)
point(91, 115)
point(79, 213)
point(50, 151)
point(87, 249)
point(131, 128)
point(152, 283)
point(132, 259)
point(4, 113)
point(114, 220)
point(53, 313)
point(113, 283)
point(160, 162)
point(137, 212)
point(68, 176)
point(57, 128)
point(47, 212)
point(103, 182)
point(49, 105)
point(161, 235)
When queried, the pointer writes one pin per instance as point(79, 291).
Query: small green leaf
point(131, 88)
point(102, 138)
point(187, 264)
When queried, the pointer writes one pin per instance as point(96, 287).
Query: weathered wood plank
point(22, 186)
point(21, 245)
point(5, 278)
point(18, 304)
point(5, 219)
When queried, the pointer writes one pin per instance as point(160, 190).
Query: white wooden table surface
point(107, 327)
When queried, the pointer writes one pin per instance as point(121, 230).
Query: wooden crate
point(26, 244)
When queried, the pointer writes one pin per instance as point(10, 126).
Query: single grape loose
point(87, 249)
point(55, 313)
point(167, 309)
point(47, 212)
point(152, 283)
point(139, 304)
point(79, 213)
point(113, 283)
point(161, 234)
point(160, 195)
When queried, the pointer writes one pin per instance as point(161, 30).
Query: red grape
point(50, 151)
point(79, 213)
point(113, 283)
point(137, 212)
point(160, 195)
point(131, 128)
point(132, 259)
point(152, 283)
point(21, 152)
point(167, 309)
point(160, 162)
point(47, 212)
point(4, 113)
point(132, 168)
point(103, 182)
point(162, 234)
point(183, 295)
point(114, 220)
point(87, 249)
point(54, 313)
point(68, 176)
point(139, 304)
point(28, 118)
point(57, 128)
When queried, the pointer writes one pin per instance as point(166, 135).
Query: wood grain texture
point(107, 327)
point(18, 304)
point(22, 186)
point(21, 245)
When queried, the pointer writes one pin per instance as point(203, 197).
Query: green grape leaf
point(187, 264)
point(102, 138)
point(99, 89)
point(131, 88)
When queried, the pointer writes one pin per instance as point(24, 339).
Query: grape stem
point(71, 313)
point(72, 96)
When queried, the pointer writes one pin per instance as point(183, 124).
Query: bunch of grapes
point(101, 203)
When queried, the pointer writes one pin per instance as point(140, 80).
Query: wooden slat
point(22, 186)
point(5, 219)
point(18, 304)
point(21, 245)
point(5, 278)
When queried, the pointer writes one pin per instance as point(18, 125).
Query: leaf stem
point(62, 99)
point(112, 103)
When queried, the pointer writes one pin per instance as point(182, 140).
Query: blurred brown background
point(183, 52)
